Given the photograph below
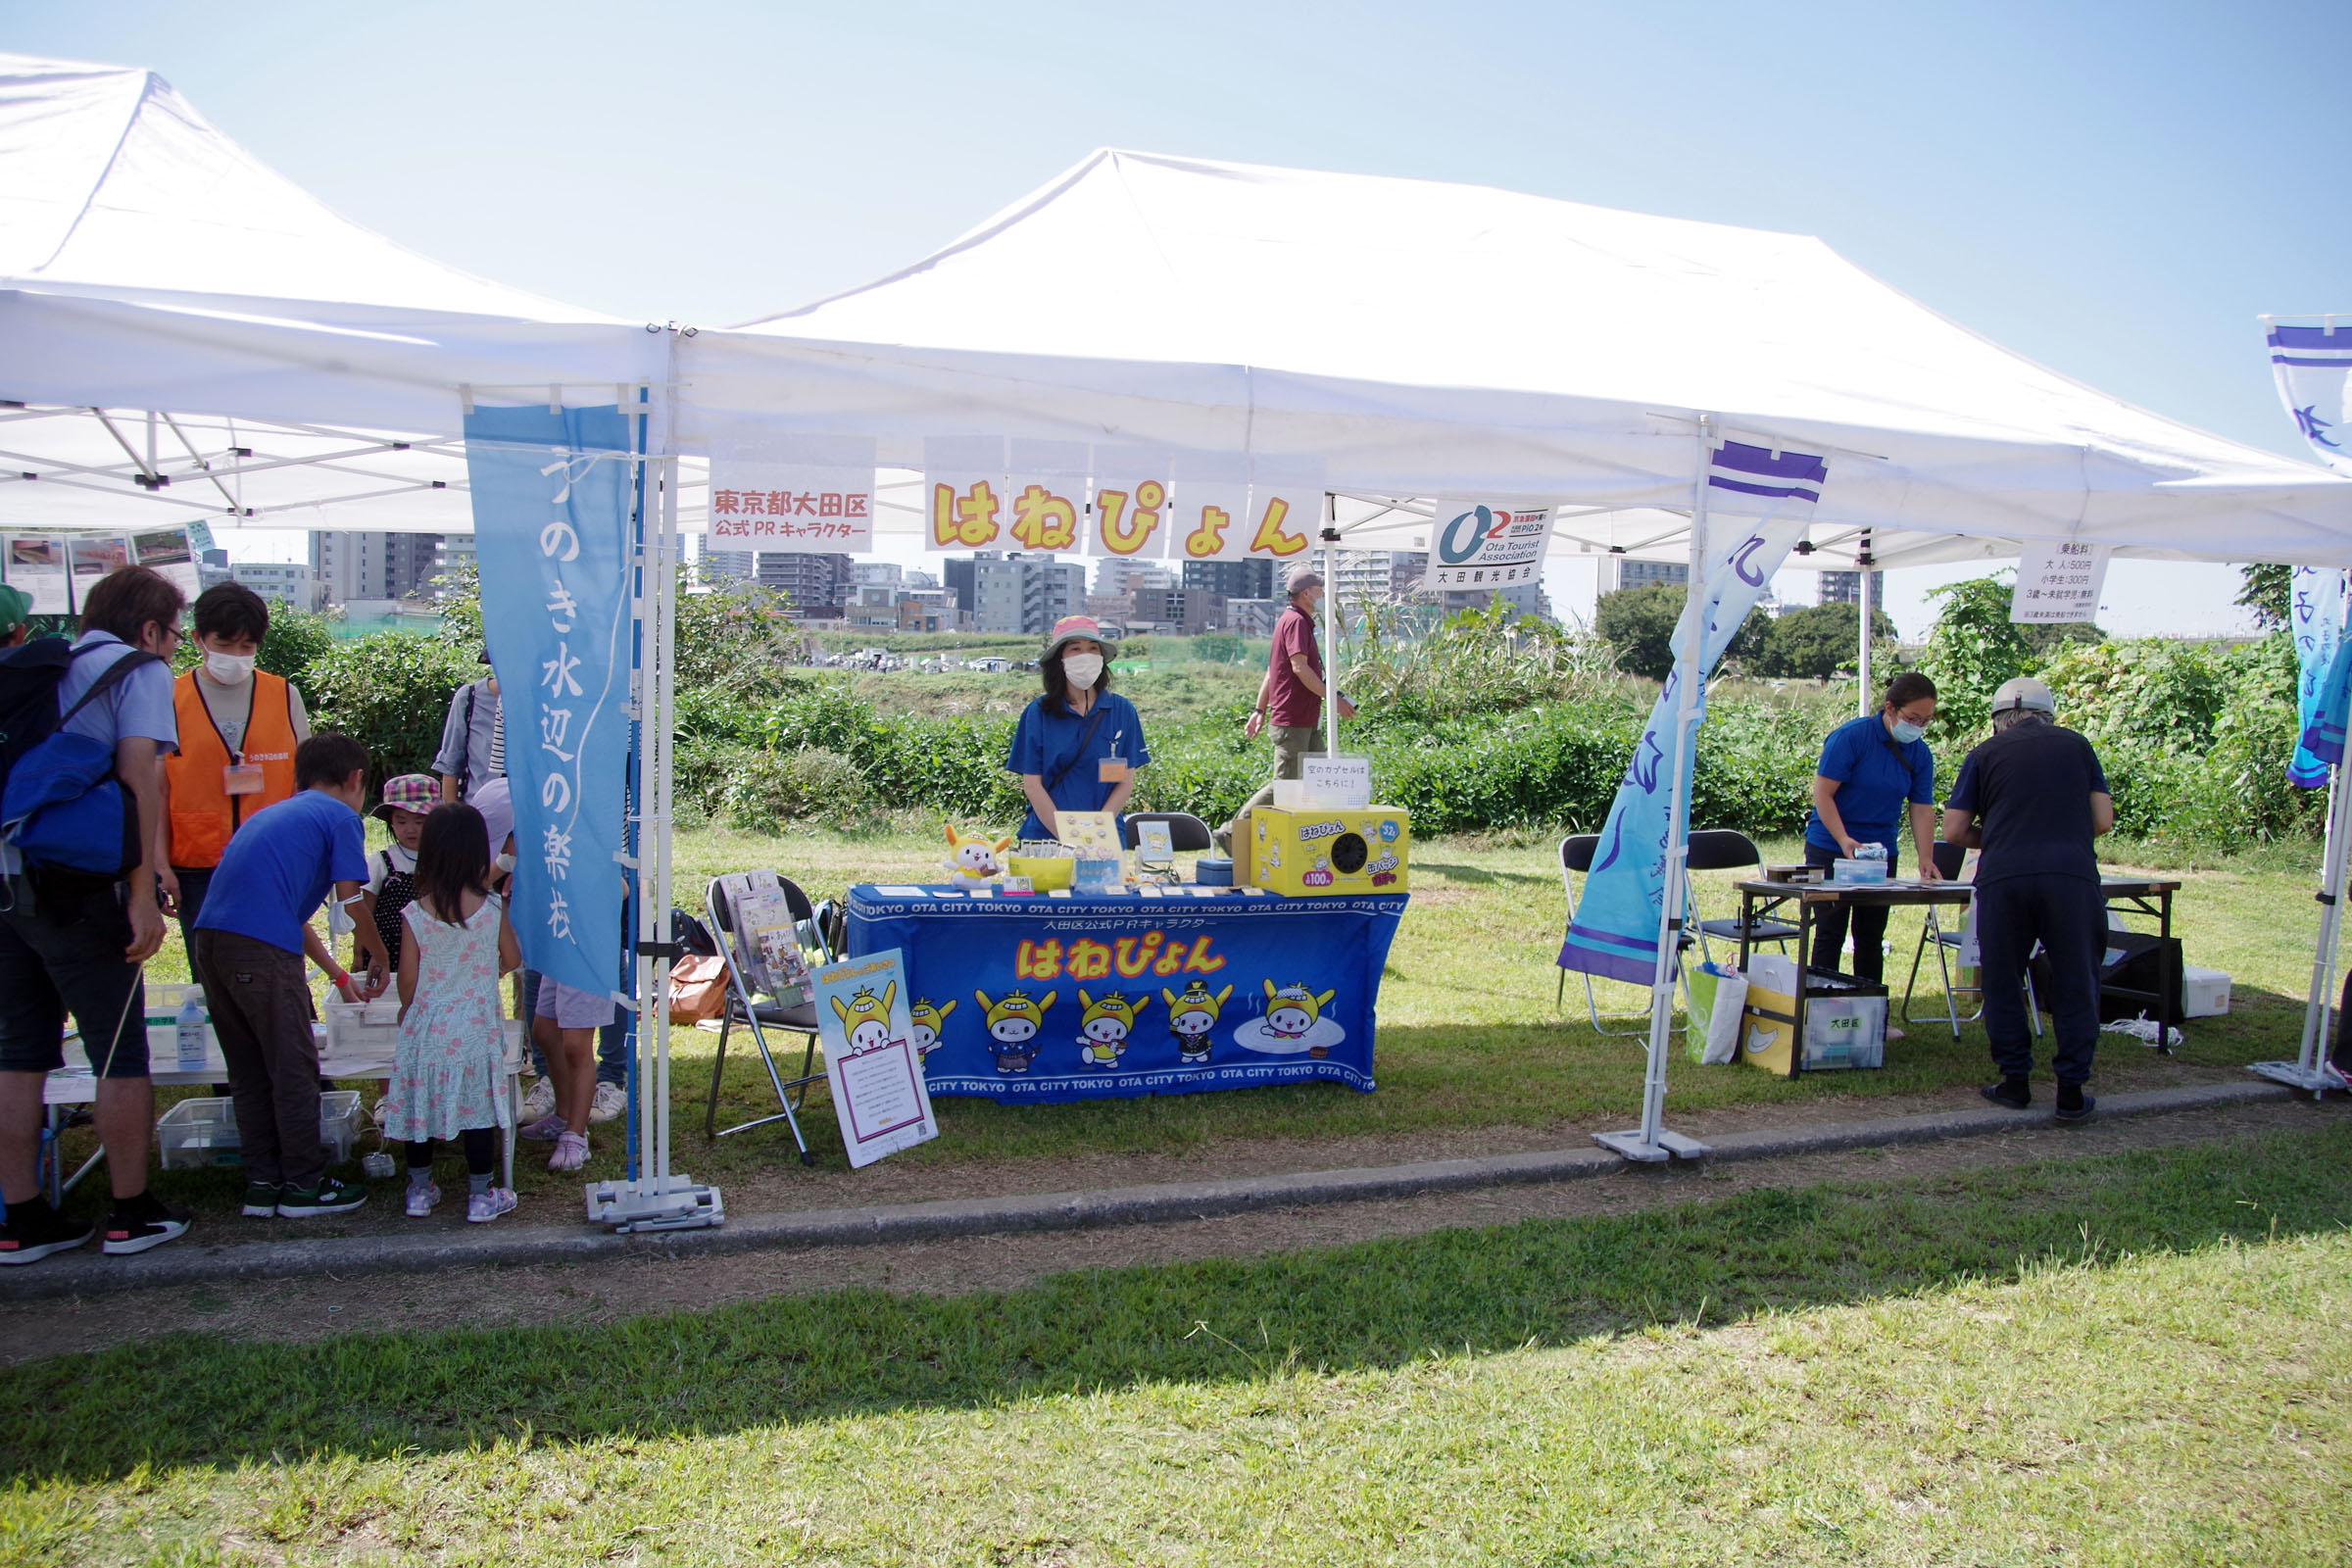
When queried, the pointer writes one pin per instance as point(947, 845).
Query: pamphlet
point(1091, 835)
point(771, 941)
point(865, 1023)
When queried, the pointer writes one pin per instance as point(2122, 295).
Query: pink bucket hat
point(1071, 627)
point(410, 792)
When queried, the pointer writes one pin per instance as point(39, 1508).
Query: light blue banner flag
point(1758, 505)
point(2324, 673)
point(552, 501)
point(2312, 367)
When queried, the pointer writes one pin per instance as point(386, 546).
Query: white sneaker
point(571, 1152)
point(540, 1102)
point(610, 1101)
point(484, 1207)
point(421, 1200)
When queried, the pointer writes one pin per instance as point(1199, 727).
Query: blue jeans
point(612, 1041)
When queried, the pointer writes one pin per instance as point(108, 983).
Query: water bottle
point(191, 1034)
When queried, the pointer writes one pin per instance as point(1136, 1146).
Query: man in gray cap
point(1291, 692)
point(2032, 800)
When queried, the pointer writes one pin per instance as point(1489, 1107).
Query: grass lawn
point(2136, 1359)
point(1468, 1036)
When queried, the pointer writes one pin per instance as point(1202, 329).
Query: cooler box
point(1846, 1021)
point(1313, 853)
point(2204, 993)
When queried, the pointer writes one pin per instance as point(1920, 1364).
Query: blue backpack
point(61, 805)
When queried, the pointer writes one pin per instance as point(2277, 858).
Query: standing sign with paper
point(864, 1020)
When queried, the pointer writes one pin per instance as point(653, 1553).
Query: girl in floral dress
point(449, 1076)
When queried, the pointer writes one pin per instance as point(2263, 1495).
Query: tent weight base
point(629, 1206)
point(1670, 1146)
point(2312, 1080)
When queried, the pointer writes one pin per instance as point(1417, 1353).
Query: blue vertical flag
point(1758, 504)
point(2312, 367)
point(551, 525)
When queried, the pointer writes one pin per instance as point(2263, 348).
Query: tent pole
point(1862, 663)
point(1331, 636)
point(2319, 1006)
point(1652, 1144)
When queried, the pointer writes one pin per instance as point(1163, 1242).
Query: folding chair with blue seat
point(748, 977)
point(1950, 859)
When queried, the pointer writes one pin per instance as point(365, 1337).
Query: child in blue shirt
point(249, 947)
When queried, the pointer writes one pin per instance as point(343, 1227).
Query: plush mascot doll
point(972, 857)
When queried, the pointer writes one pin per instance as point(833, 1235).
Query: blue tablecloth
point(1103, 995)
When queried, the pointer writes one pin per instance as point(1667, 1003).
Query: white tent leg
point(2319, 1008)
point(1331, 635)
point(656, 1199)
point(1651, 1143)
point(1862, 695)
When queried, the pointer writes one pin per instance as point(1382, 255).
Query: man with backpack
point(77, 897)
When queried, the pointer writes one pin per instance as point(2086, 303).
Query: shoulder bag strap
point(1086, 736)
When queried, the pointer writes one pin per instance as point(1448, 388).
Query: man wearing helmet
point(2032, 800)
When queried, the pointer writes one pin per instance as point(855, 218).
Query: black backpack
point(29, 677)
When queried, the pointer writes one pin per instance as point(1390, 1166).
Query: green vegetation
point(1815, 642)
point(2122, 1360)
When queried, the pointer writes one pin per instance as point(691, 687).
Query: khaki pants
point(1292, 748)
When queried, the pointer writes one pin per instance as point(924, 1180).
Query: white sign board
point(36, 565)
point(1477, 545)
point(865, 1020)
point(2058, 582)
point(790, 490)
point(1337, 783)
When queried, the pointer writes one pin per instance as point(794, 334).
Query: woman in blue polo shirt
point(1870, 768)
point(1080, 743)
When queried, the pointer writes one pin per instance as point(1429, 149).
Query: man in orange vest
point(238, 729)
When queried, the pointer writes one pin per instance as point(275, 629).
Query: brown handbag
point(698, 990)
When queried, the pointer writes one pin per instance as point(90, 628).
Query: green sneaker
point(329, 1196)
point(261, 1199)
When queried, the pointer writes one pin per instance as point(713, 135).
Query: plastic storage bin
point(2204, 993)
point(198, 1133)
point(363, 1028)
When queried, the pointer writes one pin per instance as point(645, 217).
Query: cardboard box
point(1844, 1021)
point(1315, 853)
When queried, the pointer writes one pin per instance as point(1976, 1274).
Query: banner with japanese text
point(1475, 544)
point(552, 501)
point(1759, 502)
point(2313, 367)
point(1045, 997)
point(787, 491)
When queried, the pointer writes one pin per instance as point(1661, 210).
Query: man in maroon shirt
point(1292, 691)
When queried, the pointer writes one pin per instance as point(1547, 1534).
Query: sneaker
point(41, 1232)
point(421, 1200)
point(261, 1199)
point(140, 1224)
point(2075, 1108)
point(329, 1196)
point(2010, 1094)
point(610, 1100)
point(483, 1207)
point(545, 1130)
point(1892, 1032)
point(571, 1152)
point(540, 1102)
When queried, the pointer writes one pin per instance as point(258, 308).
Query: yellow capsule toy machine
point(1311, 852)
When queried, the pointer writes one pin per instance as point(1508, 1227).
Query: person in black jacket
point(2032, 800)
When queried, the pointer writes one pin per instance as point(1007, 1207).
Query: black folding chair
point(1187, 833)
point(1576, 860)
point(1950, 859)
point(748, 976)
point(1720, 849)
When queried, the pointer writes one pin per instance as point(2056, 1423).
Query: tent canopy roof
point(1540, 343)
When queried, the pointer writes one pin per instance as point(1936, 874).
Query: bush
point(390, 692)
point(763, 789)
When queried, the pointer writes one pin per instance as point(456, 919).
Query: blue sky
point(2115, 191)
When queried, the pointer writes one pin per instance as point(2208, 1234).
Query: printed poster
point(36, 566)
point(1478, 545)
point(167, 551)
point(2058, 582)
point(93, 556)
point(865, 1023)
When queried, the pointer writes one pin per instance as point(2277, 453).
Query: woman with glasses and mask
point(1079, 744)
point(1874, 772)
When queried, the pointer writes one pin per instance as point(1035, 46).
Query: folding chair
point(1720, 849)
point(1950, 859)
point(1187, 833)
point(747, 976)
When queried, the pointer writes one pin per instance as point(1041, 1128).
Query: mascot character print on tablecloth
point(1294, 1021)
point(1103, 1028)
point(925, 1022)
point(865, 1018)
point(1191, 1017)
point(1012, 1026)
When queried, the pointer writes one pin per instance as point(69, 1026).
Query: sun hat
point(410, 792)
point(1301, 579)
point(1071, 627)
point(496, 802)
point(16, 607)
point(2024, 691)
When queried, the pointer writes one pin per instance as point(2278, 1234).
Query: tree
point(1818, 641)
point(1976, 647)
point(2265, 593)
point(1638, 623)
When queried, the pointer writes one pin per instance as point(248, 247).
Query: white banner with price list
point(2058, 582)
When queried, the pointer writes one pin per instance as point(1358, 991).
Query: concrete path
point(87, 1272)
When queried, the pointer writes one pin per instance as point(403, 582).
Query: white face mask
point(1906, 732)
point(229, 669)
point(505, 864)
point(1082, 670)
